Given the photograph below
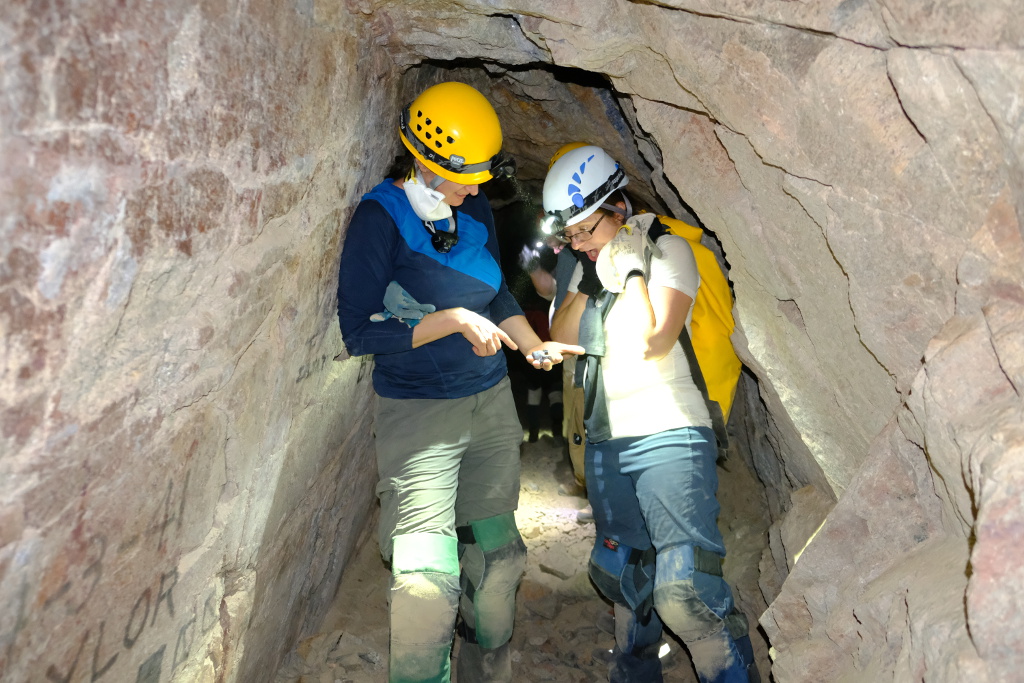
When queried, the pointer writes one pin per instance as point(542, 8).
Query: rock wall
point(185, 467)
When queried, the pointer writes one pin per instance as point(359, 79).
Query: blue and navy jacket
point(386, 241)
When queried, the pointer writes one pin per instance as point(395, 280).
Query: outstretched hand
point(548, 354)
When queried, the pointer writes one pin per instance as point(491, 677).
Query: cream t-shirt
point(651, 396)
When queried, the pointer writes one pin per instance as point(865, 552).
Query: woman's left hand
point(548, 354)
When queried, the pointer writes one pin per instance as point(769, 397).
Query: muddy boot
point(480, 665)
point(493, 562)
point(423, 600)
point(533, 422)
point(556, 425)
point(641, 665)
point(585, 516)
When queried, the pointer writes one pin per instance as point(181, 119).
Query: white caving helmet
point(577, 185)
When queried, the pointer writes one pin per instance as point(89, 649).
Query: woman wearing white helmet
point(651, 450)
point(420, 287)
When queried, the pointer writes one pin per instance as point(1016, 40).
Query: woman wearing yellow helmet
point(420, 287)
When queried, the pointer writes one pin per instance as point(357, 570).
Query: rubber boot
point(556, 425)
point(423, 610)
point(480, 665)
point(533, 422)
point(641, 666)
point(493, 562)
point(422, 603)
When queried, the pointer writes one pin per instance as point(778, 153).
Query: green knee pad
point(491, 533)
point(433, 553)
point(493, 563)
point(424, 600)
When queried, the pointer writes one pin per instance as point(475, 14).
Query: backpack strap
point(656, 230)
point(589, 374)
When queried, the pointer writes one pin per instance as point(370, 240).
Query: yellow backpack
point(712, 322)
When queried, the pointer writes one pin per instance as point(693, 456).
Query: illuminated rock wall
point(185, 467)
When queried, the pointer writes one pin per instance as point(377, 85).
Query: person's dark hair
point(401, 166)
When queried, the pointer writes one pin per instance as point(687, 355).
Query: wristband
point(632, 273)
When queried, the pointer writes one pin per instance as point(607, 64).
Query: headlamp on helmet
point(552, 224)
point(503, 165)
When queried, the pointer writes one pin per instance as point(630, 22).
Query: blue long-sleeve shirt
point(386, 241)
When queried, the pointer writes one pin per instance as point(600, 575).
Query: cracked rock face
point(185, 466)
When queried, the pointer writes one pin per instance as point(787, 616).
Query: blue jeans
point(656, 549)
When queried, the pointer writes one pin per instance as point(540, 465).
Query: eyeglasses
point(583, 235)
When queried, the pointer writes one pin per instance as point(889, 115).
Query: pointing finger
point(507, 339)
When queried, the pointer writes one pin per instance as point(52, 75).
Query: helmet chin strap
point(626, 213)
point(433, 184)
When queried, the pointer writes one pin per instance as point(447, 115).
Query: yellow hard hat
point(567, 147)
point(454, 131)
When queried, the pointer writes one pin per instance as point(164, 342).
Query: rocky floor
point(558, 634)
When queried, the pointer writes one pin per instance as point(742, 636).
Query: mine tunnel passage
point(187, 462)
point(560, 613)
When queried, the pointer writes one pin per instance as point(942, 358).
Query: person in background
point(538, 262)
point(554, 285)
point(536, 304)
point(567, 419)
point(420, 287)
point(651, 451)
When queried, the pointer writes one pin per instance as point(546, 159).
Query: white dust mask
point(427, 202)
